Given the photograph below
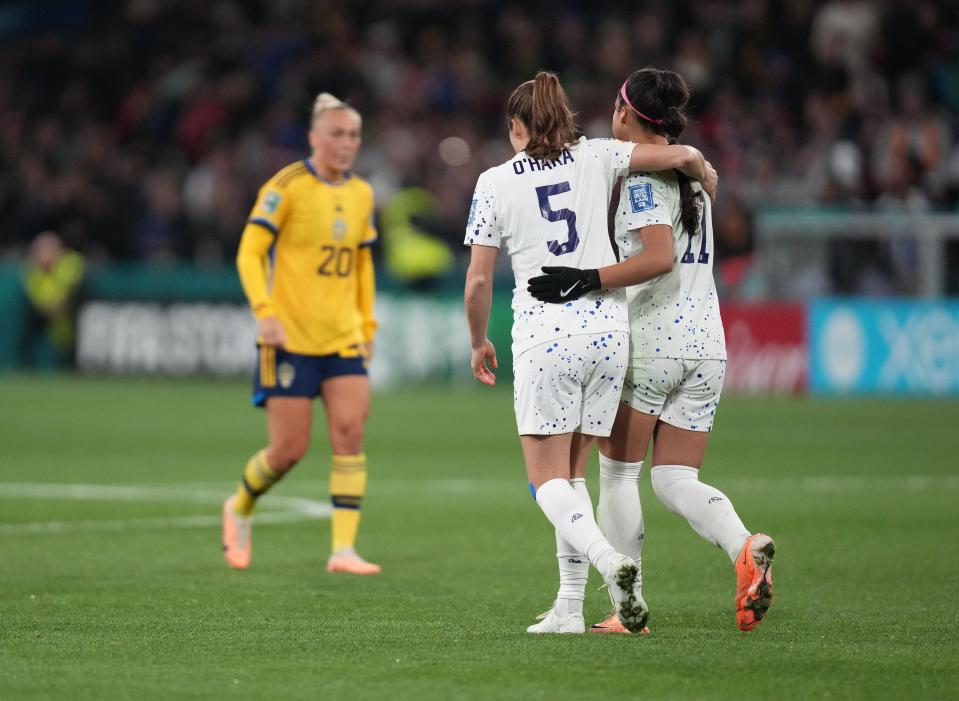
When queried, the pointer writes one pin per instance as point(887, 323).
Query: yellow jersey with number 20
point(304, 258)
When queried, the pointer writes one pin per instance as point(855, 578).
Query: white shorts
point(682, 393)
point(571, 384)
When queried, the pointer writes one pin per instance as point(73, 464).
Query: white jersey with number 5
point(677, 314)
point(553, 214)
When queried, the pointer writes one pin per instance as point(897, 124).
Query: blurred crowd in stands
point(140, 130)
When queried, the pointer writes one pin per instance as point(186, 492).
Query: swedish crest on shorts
point(285, 374)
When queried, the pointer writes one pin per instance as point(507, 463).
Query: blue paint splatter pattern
point(683, 393)
point(677, 314)
point(506, 212)
point(570, 384)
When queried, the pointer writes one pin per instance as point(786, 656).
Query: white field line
point(780, 483)
point(285, 509)
point(845, 483)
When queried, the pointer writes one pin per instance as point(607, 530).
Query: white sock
point(579, 486)
point(620, 514)
point(569, 607)
point(573, 520)
point(573, 566)
point(708, 510)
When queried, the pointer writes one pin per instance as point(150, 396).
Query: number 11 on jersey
point(703, 256)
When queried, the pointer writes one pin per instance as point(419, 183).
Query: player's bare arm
point(711, 182)
point(656, 157)
point(478, 298)
point(654, 260)
point(560, 284)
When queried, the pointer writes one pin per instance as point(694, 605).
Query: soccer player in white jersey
point(678, 350)
point(549, 204)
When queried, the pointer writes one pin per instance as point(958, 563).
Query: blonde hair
point(325, 102)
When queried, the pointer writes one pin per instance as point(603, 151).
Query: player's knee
point(347, 437)
point(666, 477)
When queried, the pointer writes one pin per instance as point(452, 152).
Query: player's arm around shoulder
point(658, 157)
point(624, 157)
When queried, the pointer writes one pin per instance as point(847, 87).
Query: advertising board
point(766, 347)
point(884, 347)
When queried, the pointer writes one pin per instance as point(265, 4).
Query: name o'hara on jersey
point(529, 165)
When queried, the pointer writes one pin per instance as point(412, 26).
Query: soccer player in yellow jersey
point(307, 270)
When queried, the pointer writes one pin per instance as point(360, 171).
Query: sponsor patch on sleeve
point(472, 217)
point(641, 197)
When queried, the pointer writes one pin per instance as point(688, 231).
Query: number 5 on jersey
point(543, 194)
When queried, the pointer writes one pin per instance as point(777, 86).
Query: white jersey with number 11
point(675, 315)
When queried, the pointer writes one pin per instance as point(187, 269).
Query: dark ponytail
point(657, 100)
point(543, 108)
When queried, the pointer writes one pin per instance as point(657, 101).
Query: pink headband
point(622, 93)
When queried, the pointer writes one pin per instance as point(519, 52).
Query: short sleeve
point(272, 205)
point(614, 155)
point(483, 227)
point(645, 201)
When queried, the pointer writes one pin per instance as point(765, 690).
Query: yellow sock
point(347, 487)
point(258, 477)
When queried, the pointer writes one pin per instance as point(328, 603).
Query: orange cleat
point(754, 580)
point(613, 626)
point(237, 536)
point(348, 561)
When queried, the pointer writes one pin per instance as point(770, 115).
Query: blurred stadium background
point(139, 132)
point(133, 138)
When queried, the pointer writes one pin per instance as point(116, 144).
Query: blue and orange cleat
point(754, 580)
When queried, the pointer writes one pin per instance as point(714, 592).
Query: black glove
point(561, 285)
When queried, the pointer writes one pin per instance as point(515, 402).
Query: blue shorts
point(280, 373)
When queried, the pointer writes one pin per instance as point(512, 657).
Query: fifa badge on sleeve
point(641, 197)
point(271, 201)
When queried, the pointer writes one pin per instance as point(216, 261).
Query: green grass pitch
point(121, 592)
